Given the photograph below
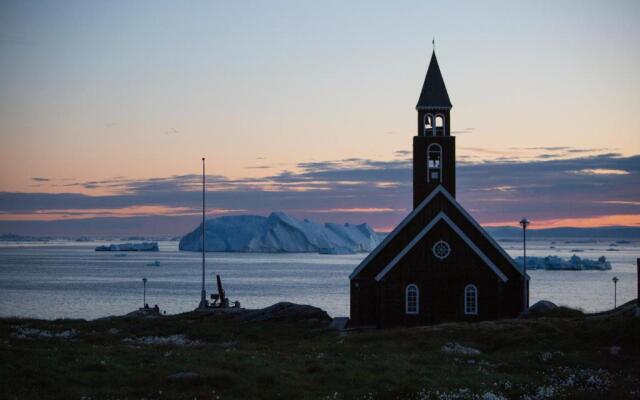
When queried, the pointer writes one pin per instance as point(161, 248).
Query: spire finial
point(433, 42)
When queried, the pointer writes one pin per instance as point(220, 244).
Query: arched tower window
point(429, 125)
point(434, 163)
point(440, 125)
point(412, 297)
point(471, 300)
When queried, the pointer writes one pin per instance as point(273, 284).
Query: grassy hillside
point(563, 357)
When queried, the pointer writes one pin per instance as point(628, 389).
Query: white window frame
point(435, 124)
point(473, 288)
point(429, 131)
point(439, 167)
point(406, 299)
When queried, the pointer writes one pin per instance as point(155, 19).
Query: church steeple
point(434, 92)
point(433, 105)
point(434, 148)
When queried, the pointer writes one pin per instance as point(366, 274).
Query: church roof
point(442, 216)
point(434, 92)
point(409, 219)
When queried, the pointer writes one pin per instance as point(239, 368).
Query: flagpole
point(203, 293)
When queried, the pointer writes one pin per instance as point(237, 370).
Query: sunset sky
point(106, 109)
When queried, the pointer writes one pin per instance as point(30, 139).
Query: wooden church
point(439, 264)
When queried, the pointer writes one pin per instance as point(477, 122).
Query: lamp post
point(615, 292)
point(144, 292)
point(525, 223)
point(203, 293)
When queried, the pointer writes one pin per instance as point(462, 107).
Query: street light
point(615, 292)
point(525, 223)
point(144, 292)
point(203, 293)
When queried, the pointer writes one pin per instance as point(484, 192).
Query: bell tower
point(434, 149)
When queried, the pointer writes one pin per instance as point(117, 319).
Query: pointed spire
point(434, 92)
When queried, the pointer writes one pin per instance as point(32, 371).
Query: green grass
point(305, 360)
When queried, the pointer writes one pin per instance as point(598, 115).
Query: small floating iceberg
point(144, 246)
point(574, 263)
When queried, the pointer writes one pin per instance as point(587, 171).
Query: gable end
point(483, 232)
point(415, 212)
point(395, 232)
point(441, 217)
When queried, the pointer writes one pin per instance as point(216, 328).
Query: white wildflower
point(174, 340)
point(456, 348)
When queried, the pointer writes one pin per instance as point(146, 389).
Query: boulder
point(542, 307)
point(286, 311)
point(147, 313)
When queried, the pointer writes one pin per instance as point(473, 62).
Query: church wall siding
point(364, 302)
point(506, 300)
point(441, 284)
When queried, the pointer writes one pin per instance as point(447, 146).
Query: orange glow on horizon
point(587, 222)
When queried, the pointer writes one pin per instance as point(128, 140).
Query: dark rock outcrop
point(286, 311)
point(542, 307)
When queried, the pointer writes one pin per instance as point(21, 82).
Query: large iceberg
point(280, 233)
point(144, 246)
point(574, 263)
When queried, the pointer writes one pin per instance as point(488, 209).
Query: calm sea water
point(71, 280)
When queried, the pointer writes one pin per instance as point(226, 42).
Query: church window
point(441, 249)
point(412, 296)
point(471, 300)
point(428, 125)
point(439, 130)
point(434, 163)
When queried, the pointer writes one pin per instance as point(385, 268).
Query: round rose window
point(441, 249)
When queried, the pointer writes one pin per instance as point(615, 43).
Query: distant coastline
point(503, 233)
point(602, 233)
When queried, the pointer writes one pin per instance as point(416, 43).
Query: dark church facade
point(439, 264)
